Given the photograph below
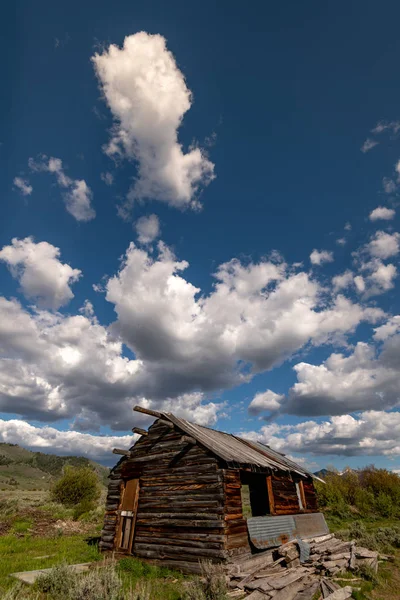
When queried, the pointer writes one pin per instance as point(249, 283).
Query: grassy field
point(36, 533)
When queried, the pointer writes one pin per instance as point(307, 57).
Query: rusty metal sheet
point(267, 532)
point(310, 525)
point(271, 531)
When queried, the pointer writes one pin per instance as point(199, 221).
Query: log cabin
point(183, 493)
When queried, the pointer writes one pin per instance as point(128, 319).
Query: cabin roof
point(237, 451)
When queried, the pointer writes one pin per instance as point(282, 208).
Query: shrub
point(56, 582)
point(212, 585)
point(75, 486)
point(98, 584)
point(85, 506)
point(384, 505)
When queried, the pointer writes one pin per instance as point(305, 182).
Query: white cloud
point(256, 316)
point(148, 229)
point(383, 213)
point(391, 327)
point(148, 98)
point(185, 344)
point(347, 226)
point(367, 378)
point(61, 367)
point(343, 280)
point(382, 126)
point(389, 186)
point(265, 401)
point(49, 439)
point(371, 433)
point(341, 241)
point(77, 195)
point(383, 245)
point(368, 145)
point(107, 177)
point(319, 257)
point(23, 186)
point(39, 271)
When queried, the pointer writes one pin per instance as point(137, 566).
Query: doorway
point(130, 496)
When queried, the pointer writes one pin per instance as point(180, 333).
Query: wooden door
point(128, 514)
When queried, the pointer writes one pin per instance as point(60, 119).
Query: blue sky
point(138, 136)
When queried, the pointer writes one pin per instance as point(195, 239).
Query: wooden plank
point(270, 495)
point(302, 495)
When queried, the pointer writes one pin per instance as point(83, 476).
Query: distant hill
point(322, 473)
point(27, 470)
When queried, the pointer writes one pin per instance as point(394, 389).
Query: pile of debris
point(300, 570)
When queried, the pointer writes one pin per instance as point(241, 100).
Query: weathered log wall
point(180, 513)
point(285, 495)
point(237, 539)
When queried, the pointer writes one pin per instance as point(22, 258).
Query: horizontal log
point(148, 411)
point(181, 478)
point(165, 489)
point(217, 524)
point(166, 541)
point(149, 528)
point(107, 538)
point(106, 545)
point(177, 515)
point(166, 423)
point(181, 503)
point(140, 431)
point(158, 533)
point(148, 458)
point(180, 510)
point(170, 551)
point(186, 439)
point(121, 452)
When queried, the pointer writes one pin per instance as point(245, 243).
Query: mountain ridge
point(25, 469)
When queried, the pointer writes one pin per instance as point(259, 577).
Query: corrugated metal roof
point(237, 451)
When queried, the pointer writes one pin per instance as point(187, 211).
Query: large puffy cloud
point(39, 271)
point(49, 439)
point(77, 195)
point(367, 378)
point(54, 366)
point(148, 97)
point(371, 433)
point(185, 344)
point(256, 316)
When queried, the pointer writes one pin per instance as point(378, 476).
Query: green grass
point(166, 584)
point(23, 553)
